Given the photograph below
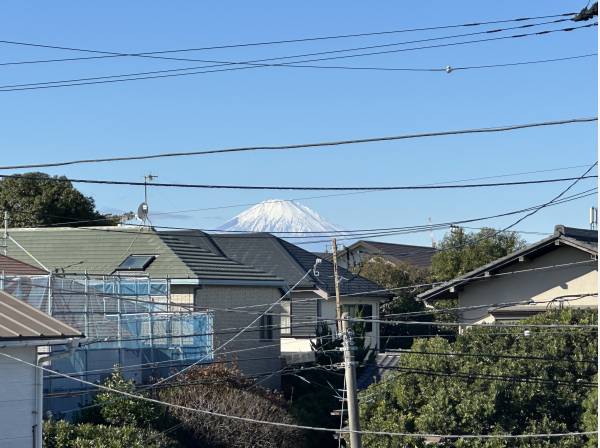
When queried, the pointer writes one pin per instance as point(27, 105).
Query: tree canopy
point(223, 389)
point(461, 252)
point(37, 199)
point(491, 381)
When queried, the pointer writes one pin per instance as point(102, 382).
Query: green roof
point(100, 250)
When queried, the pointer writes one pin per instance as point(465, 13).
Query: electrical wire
point(401, 353)
point(487, 130)
point(304, 39)
point(358, 233)
point(251, 65)
point(473, 376)
point(557, 197)
point(288, 425)
point(300, 188)
point(220, 63)
point(223, 345)
point(248, 204)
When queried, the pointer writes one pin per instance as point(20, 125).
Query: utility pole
point(336, 279)
point(350, 372)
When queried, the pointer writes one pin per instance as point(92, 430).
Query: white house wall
point(539, 286)
point(17, 398)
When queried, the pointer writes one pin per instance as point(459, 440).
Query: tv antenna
point(143, 209)
point(431, 234)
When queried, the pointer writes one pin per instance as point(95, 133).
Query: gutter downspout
point(72, 345)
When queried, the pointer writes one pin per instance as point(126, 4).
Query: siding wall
point(230, 322)
point(17, 398)
point(540, 286)
point(304, 313)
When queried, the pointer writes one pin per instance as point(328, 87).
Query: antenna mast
point(143, 208)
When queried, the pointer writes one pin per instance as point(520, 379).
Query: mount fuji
point(275, 215)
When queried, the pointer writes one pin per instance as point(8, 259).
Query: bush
point(222, 389)
point(62, 434)
point(119, 421)
point(117, 409)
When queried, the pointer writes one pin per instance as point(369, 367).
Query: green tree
point(120, 421)
point(517, 393)
point(62, 434)
point(119, 410)
point(37, 199)
point(589, 418)
point(461, 252)
point(403, 280)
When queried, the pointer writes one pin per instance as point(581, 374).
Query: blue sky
point(283, 105)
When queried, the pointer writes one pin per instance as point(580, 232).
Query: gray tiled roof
point(20, 321)
point(100, 250)
point(419, 256)
point(291, 262)
point(582, 239)
point(265, 252)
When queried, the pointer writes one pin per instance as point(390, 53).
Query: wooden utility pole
point(336, 279)
point(351, 391)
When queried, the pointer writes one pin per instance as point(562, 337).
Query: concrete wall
point(17, 398)
point(227, 324)
point(540, 286)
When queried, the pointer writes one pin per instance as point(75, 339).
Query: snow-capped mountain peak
point(275, 215)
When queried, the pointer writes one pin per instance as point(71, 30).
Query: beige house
point(558, 271)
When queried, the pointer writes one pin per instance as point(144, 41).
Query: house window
point(361, 311)
point(266, 327)
point(286, 317)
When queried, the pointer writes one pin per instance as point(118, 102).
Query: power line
point(473, 376)
point(297, 188)
point(251, 65)
point(247, 204)
point(189, 307)
point(361, 233)
point(471, 324)
point(183, 71)
point(286, 425)
point(170, 377)
point(312, 145)
point(491, 355)
point(297, 40)
point(557, 197)
point(220, 63)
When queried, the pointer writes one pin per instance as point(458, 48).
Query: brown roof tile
point(20, 321)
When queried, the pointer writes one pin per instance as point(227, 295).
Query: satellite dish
point(142, 211)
